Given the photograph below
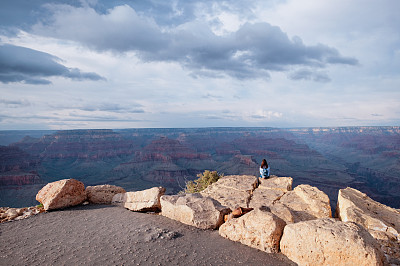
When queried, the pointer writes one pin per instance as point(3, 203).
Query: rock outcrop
point(330, 242)
point(232, 191)
point(194, 209)
point(283, 184)
point(145, 200)
point(102, 194)
point(9, 214)
point(270, 191)
point(307, 203)
point(61, 194)
point(381, 221)
point(258, 229)
point(266, 214)
point(301, 204)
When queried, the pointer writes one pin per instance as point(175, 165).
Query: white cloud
point(193, 44)
point(200, 77)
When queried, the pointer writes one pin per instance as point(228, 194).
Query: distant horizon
point(204, 127)
point(194, 127)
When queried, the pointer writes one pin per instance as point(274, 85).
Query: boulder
point(194, 209)
point(264, 197)
point(382, 222)
point(145, 200)
point(268, 193)
point(232, 191)
point(283, 184)
point(307, 203)
point(258, 229)
point(61, 194)
point(281, 211)
point(102, 194)
point(330, 242)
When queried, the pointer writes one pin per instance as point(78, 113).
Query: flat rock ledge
point(283, 184)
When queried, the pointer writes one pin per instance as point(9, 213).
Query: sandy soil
point(108, 235)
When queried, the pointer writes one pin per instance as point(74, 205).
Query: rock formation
point(330, 242)
point(232, 191)
point(194, 209)
point(61, 194)
point(269, 192)
point(307, 203)
point(145, 200)
point(303, 203)
point(102, 194)
point(281, 183)
point(14, 159)
point(9, 214)
point(258, 229)
point(381, 221)
point(273, 216)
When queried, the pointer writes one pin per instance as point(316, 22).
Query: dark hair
point(264, 163)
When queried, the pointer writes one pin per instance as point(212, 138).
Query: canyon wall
point(365, 158)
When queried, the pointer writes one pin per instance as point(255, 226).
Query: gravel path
point(108, 235)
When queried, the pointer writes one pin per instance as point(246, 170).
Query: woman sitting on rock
point(264, 169)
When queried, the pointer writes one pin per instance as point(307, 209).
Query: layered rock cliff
point(166, 162)
point(18, 168)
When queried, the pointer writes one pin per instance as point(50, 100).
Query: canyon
point(366, 158)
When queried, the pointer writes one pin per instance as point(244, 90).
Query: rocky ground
point(110, 235)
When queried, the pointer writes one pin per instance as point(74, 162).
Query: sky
point(71, 64)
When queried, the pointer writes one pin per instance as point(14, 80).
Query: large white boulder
point(194, 209)
point(307, 203)
point(258, 229)
point(145, 200)
point(330, 242)
point(381, 221)
point(267, 194)
point(232, 191)
point(61, 194)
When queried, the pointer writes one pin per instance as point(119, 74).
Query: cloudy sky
point(198, 63)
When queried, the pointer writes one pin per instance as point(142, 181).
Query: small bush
point(203, 181)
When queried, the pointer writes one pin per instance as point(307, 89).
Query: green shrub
point(203, 181)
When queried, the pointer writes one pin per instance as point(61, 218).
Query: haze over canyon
point(365, 158)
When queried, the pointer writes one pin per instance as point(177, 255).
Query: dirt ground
point(109, 235)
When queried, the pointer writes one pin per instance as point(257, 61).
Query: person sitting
point(264, 169)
